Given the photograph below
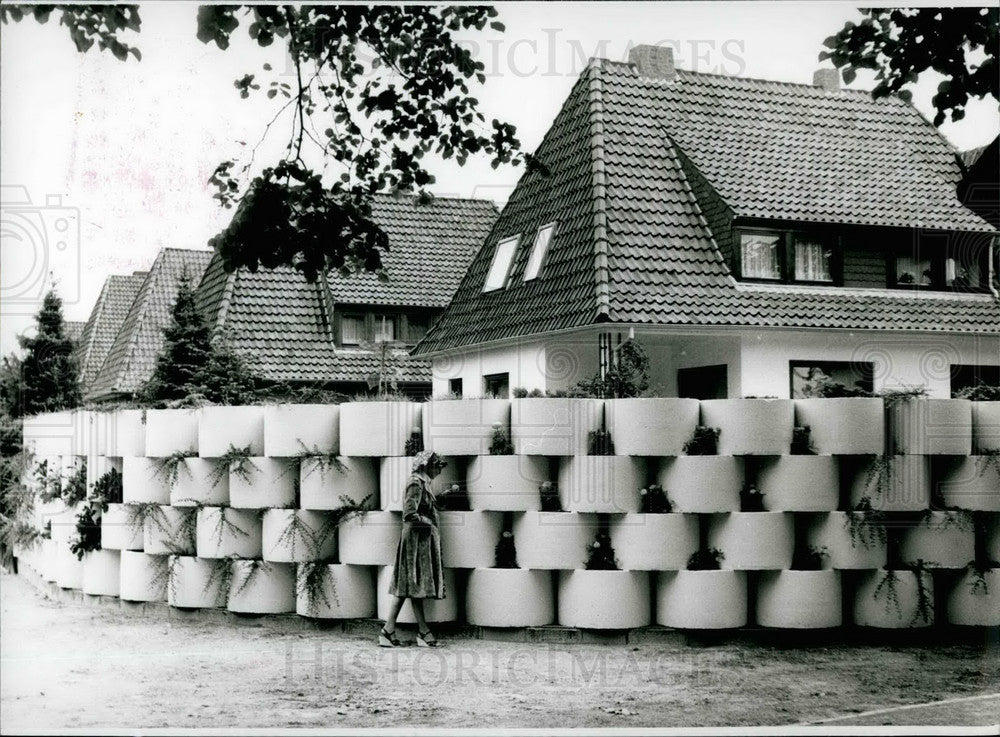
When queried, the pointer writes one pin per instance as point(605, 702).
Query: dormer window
point(761, 255)
point(812, 259)
point(789, 257)
point(538, 250)
point(497, 276)
point(912, 271)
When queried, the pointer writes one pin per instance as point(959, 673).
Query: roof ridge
point(598, 179)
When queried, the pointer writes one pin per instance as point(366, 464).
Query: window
point(806, 376)
point(497, 276)
point(961, 274)
point(416, 327)
point(497, 385)
point(352, 329)
point(455, 387)
point(703, 382)
point(966, 376)
point(761, 255)
point(812, 259)
point(912, 271)
point(385, 328)
point(542, 238)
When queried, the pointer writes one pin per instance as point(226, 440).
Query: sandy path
point(66, 665)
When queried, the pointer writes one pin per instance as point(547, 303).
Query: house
point(131, 357)
point(331, 333)
point(753, 235)
point(74, 329)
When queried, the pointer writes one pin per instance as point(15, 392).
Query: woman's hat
point(427, 459)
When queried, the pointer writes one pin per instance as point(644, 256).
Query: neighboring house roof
point(73, 329)
point(280, 324)
point(106, 319)
point(132, 357)
point(980, 185)
point(632, 243)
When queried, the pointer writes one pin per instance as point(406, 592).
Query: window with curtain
point(812, 259)
point(761, 255)
point(910, 271)
point(352, 329)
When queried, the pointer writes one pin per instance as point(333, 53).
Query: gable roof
point(132, 356)
point(632, 242)
point(280, 324)
point(74, 329)
point(106, 319)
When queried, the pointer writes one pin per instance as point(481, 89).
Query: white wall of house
point(525, 363)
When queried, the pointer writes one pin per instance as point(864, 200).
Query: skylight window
point(542, 238)
point(497, 277)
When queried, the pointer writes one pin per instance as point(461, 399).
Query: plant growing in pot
point(866, 525)
point(801, 441)
point(500, 444)
point(506, 552)
point(809, 558)
point(751, 499)
point(706, 559)
point(550, 497)
point(704, 442)
point(75, 490)
point(654, 500)
point(454, 499)
point(600, 554)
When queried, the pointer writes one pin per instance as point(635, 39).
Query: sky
point(104, 163)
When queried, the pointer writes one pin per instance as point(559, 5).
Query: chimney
point(653, 62)
point(828, 79)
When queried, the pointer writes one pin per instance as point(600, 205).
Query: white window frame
point(538, 250)
point(503, 257)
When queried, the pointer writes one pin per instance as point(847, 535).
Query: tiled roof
point(74, 329)
point(279, 323)
point(132, 357)
point(106, 319)
point(617, 152)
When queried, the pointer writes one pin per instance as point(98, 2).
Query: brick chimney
point(653, 62)
point(828, 79)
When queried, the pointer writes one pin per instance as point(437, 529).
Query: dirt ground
point(72, 666)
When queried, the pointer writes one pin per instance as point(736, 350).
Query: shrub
point(500, 444)
point(979, 393)
point(654, 500)
point(600, 554)
point(506, 553)
point(706, 559)
point(802, 444)
point(550, 497)
point(704, 442)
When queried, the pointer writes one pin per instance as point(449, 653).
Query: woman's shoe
point(388, 639)
point(426, 639)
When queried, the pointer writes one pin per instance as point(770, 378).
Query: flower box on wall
point(200, 481)
point(195, 583)
point(553, 426)
point(986, 426)
point(603, 599)
point(101, 572)
point(753, 541)
point(170, 530)
point(263, 483)
point(129, 434)
point(341, 592)
point(324, 485)
point(171, 431)
point(799, 483)
point(435, 610)
point(69, 568)
point(651, 426)
point(654, 542)
point(297, 536)
point(844, 425)
point(144, 577)
point(394, 475)
point(223, 532)
point(853, 540)
point(940, 539)
point(703, 484)
point(890, 483)
point(369, 539)
point(799, 599)
point(553, 540)
point(974, 599)
point(510, 597)
point(293, 429)
point(923, 426)
point(894, 600)
point(377, 428)
point(469, 539)
point(259, 587)
point(144, 481)
point(751, 426)
point(463, 427)
point(972, 482)
point(601, 483)
point(506, 483)
point(701, 600)
point(121, 528)
point(223, 428)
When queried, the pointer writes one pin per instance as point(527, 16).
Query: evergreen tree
point(50, 378)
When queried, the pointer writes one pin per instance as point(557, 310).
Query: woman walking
point(418, 573)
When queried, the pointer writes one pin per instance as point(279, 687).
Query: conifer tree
point(50, 378)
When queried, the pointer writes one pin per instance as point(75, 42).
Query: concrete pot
point(144, 481)
point(601, 483)
point(553, 426)
point(469, 539)
point(324, 486)
point(171, 431)
point(941, 540)
point(701, 600)
point(760, 427)
point(394, 475)
point(603, 599)
point(63, 520)
point(297, 536)
point(925, 426)
point(261, 588)
point(200, 481)
point(799, 599)
point(193, 584)
point(975, 601)
point(223, 428)
point(172, 531)
point(799, 483)
point(553, 540)
point(851, 540)
point(463, 427)
point(506, 483)
point(348, 592)
point(509, 597)
point(986, 426)
point(69, 568)
point(144, 577)
point(903, 484)
point(843, 426)
point(268, 483)
point(752, 541)
point(377, 428)
point(435, 610)
point(702, 484)
point(993, 536)
point(121, 529)
point(293, 429)
point(878, 607)
point(972, 482)
point(49, 560)
point(654, 542)
point(651, 426)
point(129, 438)
point(223, 532)
point(369, 539)
point(49, 433)
point(101, 572)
